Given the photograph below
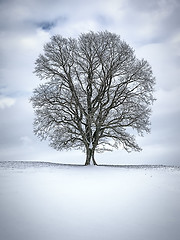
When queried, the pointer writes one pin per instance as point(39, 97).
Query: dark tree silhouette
point(94, 89)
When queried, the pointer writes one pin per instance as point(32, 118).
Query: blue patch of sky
point(48, 25)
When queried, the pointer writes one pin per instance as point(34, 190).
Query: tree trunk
point(89, 157)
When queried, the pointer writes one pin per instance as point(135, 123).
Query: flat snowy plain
point(46, 201)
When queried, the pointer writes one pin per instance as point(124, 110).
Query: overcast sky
point(151, 27)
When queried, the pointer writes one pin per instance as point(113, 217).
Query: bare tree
point(94, 89)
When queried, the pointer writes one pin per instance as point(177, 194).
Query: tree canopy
point(94, 94)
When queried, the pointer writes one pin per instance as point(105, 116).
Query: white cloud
point(34, 42)
point(26, 140)
point(168, 102)
point(176, 43)
point(6, 102)
point(163, 59)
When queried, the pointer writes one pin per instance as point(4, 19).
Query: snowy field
point(45, 201)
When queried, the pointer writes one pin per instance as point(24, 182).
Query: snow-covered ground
point(43, 201)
